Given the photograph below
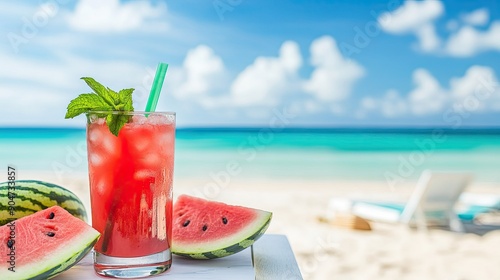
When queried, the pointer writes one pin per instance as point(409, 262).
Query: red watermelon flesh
point(45, 244)
point(208, 229)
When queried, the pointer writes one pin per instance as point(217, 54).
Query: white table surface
point(271, 257)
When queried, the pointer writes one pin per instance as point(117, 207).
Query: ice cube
point(143, 174)
point(165, 139)
point(95, 159)
point(100, 185)
point(139, 119)
point(109, 144)
point(94, 135)
point(158, 119)
point(141, 143)
point(151, 159)
point(94, 119)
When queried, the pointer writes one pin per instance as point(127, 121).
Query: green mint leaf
point(104, 92)
point(113, 94)
point(116, 122)
point(125, 96)
point(103, 99)
point(84, 103)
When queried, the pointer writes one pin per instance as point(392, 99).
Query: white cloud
point(43, 89)
point(477, 89)
point(411, 16)
point(391, 105)
point(334, 75)
point(478, 17)
point(429, 40)
point(428, 97)
point(267, 78)
point(113, 16)
point(202, 73)
point(415, 17)
point(26, 70)
point(478, 85)
point(311, 106)
point(469, 41)
point(203, 79)
point(418, 18)
point(30, 105)
point(64, 72)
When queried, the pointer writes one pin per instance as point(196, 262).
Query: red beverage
point(131, 184)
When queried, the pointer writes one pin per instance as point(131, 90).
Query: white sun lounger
point(431, 203)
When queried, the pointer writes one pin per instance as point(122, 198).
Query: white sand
point(324, 251)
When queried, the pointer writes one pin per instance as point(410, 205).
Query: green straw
point(161, 71)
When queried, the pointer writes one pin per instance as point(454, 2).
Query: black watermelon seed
point(224, 220)
point(10, 243)
point(50, 234)
point(51, 215)
point(204, 228)
point(186, 223)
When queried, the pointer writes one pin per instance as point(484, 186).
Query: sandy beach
point(326, 251)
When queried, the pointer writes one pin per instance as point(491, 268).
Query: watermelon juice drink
point(131, 192)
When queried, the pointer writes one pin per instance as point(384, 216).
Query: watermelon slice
point(43, 244)
point(205, 229)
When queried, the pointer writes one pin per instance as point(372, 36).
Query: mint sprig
point(103, 99)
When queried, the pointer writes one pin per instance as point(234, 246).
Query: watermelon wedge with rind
point(45, 244)
point(205, 229)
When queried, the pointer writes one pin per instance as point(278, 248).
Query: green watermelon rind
point(33, 196)
point(67, 264)
point(236, 247)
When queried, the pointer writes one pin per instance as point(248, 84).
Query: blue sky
point(244, 63)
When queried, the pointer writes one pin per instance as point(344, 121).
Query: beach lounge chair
point(431, 203)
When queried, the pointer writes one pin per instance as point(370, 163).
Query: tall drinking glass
point(131, 192)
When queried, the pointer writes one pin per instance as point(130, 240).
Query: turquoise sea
point(322, 154)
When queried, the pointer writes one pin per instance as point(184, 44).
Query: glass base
point(138, 267)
